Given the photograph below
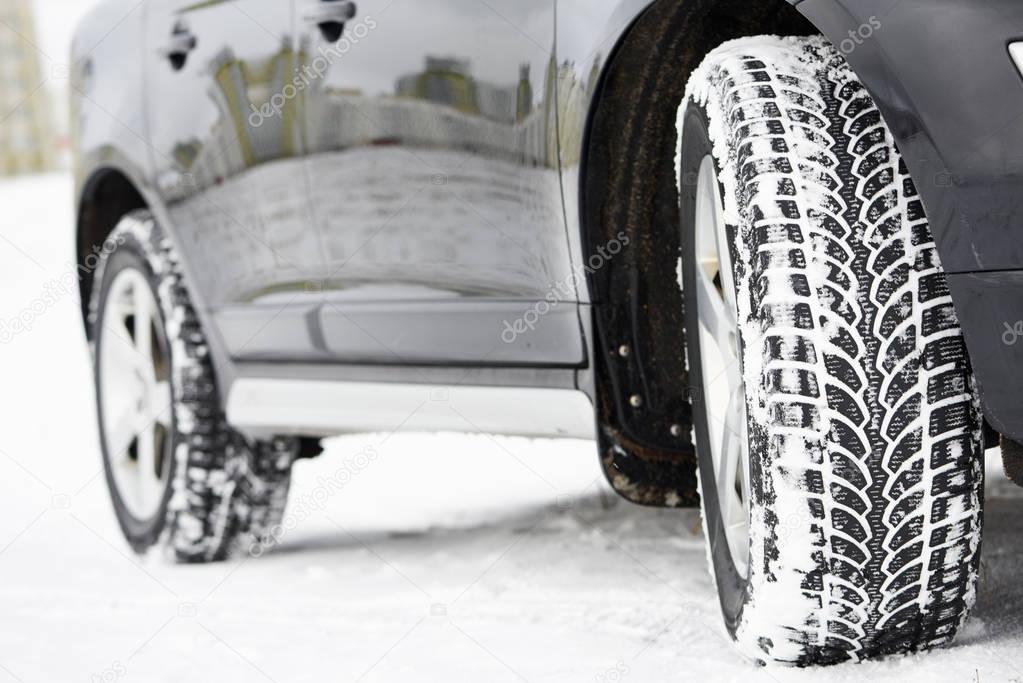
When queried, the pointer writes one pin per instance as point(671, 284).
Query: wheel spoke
point(714, 315)
point(160, 407)
point(731, 450)
point(720, 364)
point(724, 256)
point(136, 403)
point(147, 454)
point(121, 431)
point(119, 349)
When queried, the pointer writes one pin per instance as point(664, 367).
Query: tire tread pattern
point(226, 490)
point(864, 419)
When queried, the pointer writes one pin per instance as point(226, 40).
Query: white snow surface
point(445, 558)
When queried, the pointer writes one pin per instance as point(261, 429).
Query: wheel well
point(107, 197)
point(628, 186)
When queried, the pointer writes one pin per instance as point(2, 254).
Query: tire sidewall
point(131, 253)
point(732, 587)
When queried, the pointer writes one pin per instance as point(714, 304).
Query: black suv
point(778, 276)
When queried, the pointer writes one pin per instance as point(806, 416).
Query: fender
point(944, 80)
point(942, 76)
point(109, 127)
point(106, 120)
point(629, 61)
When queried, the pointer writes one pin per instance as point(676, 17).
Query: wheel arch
point(952, 106)
point(963, 160)
point(641, 381)
point(106, 196)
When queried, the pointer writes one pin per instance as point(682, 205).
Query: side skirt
point(312, 408)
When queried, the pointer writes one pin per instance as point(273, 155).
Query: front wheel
point(179, 476)
point(836, 419)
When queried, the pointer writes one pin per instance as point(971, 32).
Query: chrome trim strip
point(265, 407)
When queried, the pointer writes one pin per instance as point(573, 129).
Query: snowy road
point(446, 558)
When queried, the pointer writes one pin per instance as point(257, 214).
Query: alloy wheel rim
point(135, 394)
point(723, 392)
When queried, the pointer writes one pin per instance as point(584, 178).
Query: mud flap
point(646, 476)
point(1012, 460)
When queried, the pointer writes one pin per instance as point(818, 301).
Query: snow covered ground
point(447, 558)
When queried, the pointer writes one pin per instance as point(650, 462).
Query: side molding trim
point(265, 407)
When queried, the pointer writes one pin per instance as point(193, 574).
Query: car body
point(136, 132)
point(945, 80)
point(463, 215)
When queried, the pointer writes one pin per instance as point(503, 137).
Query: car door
point(226, 148)
point(432, 162)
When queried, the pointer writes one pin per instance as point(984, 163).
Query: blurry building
point(26, 131)
point(256, 123)
point(449, 81)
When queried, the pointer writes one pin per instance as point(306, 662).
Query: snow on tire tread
point(226, 491)
point(864, 419)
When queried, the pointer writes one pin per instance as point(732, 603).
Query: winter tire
point(179, 476)
point(837, 424)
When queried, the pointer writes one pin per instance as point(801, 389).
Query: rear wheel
point(836, 419)
point(178, 475)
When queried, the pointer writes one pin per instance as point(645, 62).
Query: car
point(764, 254)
